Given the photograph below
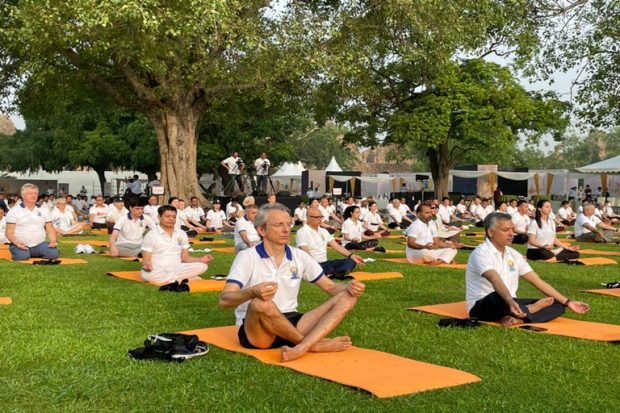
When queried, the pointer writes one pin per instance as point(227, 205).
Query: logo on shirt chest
point(180, 241)
point(511, 264)
point(294, 274)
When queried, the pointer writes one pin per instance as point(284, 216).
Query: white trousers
point(185, 270)
point(427, 256)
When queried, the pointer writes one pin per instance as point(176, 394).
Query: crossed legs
point(264, 323)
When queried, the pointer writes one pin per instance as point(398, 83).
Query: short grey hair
point(25, 187)
point(493, 218)
point(263, 213)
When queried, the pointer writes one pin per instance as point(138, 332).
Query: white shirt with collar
point(63, 220)
point(254, 266)
point(544, 235)
point(29, 223)
point(194, 213)
point(565, 213)
point(422, 232)
point(114, 213)
point(301, 214)
point(325, 213)
point(216, 219)
point(130, 230)
point(444, 213)
point(100, 213)
point(243, 224)
point(582, 220)
point(233, 167)
point(521, 222)
point(260, 169)
point(315, 240)
point(151, 211)
point(510, 266)
point(165, 249)
point(353, 230)
point(395, 215)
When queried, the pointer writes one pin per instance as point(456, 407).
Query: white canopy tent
point(288, 174)
point(333, 166)
point(608, 166)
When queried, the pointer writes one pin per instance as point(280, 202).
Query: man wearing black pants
point(492, 281)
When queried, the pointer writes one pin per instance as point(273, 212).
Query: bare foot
point(291, 353)
point(509, 321)
point(540, 304)
point(331, 345)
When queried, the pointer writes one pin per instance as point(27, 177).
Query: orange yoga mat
point(228, 250)
point(91, 242)
point(382, 374)
point(386, 251)
point(395, 236)
point(455, 265)
point(561, 326)
point(6, 255)
point(4, 247)
point(215, 241)
point(372, 276)
point(615, 292)
point(597, 261)
point(597, 252)
point(198, 286)
point(5, 300)
point(98, 231)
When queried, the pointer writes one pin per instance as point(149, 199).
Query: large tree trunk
point(176, 134)
point(440, 169)
point(101, 175)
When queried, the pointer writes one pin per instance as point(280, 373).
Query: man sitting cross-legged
point(263, 283)
point(423, 244)
point(314, 239)
point(492, 280)
point(165, 252)
point(126, 238)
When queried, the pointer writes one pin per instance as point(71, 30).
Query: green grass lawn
point(65, 339)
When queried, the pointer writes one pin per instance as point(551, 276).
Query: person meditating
point(542, 239)
point(27, 224)
point(263, 283)
point(423, 243)
point(353, 234)
point(492, 280)
point(165, 252)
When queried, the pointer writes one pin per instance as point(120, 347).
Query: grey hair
point(28, 186)
point(251, 206)
point(263, 213)
point(493, 218)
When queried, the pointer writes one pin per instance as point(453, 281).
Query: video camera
point(240, 162)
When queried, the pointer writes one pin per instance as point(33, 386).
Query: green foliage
point(584, 36)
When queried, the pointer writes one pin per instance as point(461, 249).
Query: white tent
point(289, 170)
point(333, 166)
point(608, 166)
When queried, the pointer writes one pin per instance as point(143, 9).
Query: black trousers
point(519, 239)
point(493, 308)
point(371, 243)
point(543, 254)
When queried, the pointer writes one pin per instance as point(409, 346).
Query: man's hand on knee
point(356, 288)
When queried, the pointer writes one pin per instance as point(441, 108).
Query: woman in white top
point(609, 214)
point(373, 220)
point(353, 236)
point(64, 221)
point(542, 239)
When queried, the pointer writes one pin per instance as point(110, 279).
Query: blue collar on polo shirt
point(260, 248)
point(246, 218)
point(21, 204)
point(131, 218)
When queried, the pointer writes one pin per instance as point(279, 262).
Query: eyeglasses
point(433, 207)
point(315, 216)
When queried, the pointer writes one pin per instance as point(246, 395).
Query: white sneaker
point(80, 249)
point(88, 249)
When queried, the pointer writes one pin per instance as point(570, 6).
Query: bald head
point(314, 217)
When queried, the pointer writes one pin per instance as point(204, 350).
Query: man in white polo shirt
point(126, 239)
point(245, 235)
point(588, 228)
point(98, 213)
point(314, 239)
point(165, 252)
point(492, 280)
point(216, 218)
point(521, 221)
point(423, 244)
point(263, 283)
point(195, 211)
point(27, 223)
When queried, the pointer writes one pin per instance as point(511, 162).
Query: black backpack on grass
point(170, 347)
